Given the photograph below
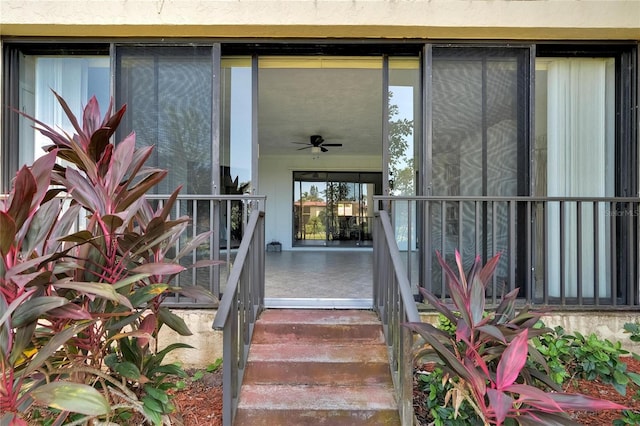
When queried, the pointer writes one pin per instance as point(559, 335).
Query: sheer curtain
point(76, 79)
point(580, 159)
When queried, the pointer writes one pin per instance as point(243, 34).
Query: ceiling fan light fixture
point(315, 149)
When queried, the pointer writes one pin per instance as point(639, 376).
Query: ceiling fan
point(317, 144)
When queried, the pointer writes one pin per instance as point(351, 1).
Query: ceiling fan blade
point(331, 144)
point(301, 143)
point(323, 149)
point(305, 147)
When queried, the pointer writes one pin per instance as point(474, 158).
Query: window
point(168, 92)
point(581, 150)
point(75, 72)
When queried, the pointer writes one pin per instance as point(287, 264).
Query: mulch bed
point(593, 388)
point(200, 402)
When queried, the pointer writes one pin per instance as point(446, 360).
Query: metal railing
point(569, 251)
point(227, 216)
point(393, 299)
point(239, 308)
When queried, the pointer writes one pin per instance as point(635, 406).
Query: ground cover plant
point(82, 301)
point(485, 361)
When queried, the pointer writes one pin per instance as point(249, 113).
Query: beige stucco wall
point(605, 324)
point(208, 342)
point(493, 19)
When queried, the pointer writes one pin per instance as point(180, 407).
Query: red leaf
point(24, 189)
point(70, 311)
point(159, 269)
point(7, 232)
point(574, 401)
point(489, 268)
point(72, 118)
point(535, 397)
point(148, 325)
point(512, 361)
point(501, 403)
point(91, 119)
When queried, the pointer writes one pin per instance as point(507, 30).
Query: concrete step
point(289, 325)
point(314, 363)
point(320, 367)
point(291, 405)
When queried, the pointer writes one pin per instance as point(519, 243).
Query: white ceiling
point(342, 105)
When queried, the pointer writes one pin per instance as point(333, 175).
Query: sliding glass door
point(334, 208)
point(575, 157)
point(479, 149)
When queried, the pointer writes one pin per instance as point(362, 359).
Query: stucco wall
point(606, 325)
point(208, 342)
point(505, 19)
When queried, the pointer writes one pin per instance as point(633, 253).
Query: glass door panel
point(335, 208)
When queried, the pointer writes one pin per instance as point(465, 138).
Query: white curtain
point(76, 79)
point(580, 159)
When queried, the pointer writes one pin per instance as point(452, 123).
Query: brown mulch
point(200, 402)
point(598, 389)
point(593, 388)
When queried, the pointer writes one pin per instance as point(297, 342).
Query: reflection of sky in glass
point(240, 155)
point(303, 187)
point(402, 96)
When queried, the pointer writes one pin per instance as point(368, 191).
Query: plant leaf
point(547, 419)
point(6, 314)
point(7, 232)
point(576, 401)
point(73, 397)
point(476, 299)
point(24, 190)
point(196, 292)
point(193, 244)
point(53, 345)
point(146, 293)
point(121, 160)
point(492, 331)
point(159, 268)
point(84, 192)
point(488, 269)
point(147, 325)
point(33, 308)
point(70, 311)
point(501, 403)
point(106, 291)
point(127, 369)
point(512, 361)
point(174, 322)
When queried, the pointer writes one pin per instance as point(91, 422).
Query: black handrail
point(395, 304)
point(242, 302)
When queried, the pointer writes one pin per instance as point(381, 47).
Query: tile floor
point(327, 278)
point(316, 274)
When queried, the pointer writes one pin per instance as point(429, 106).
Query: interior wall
point(275, 181)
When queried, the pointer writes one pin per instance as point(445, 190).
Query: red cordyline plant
point(31, 220)
point(486, 357)
point(81, 312)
